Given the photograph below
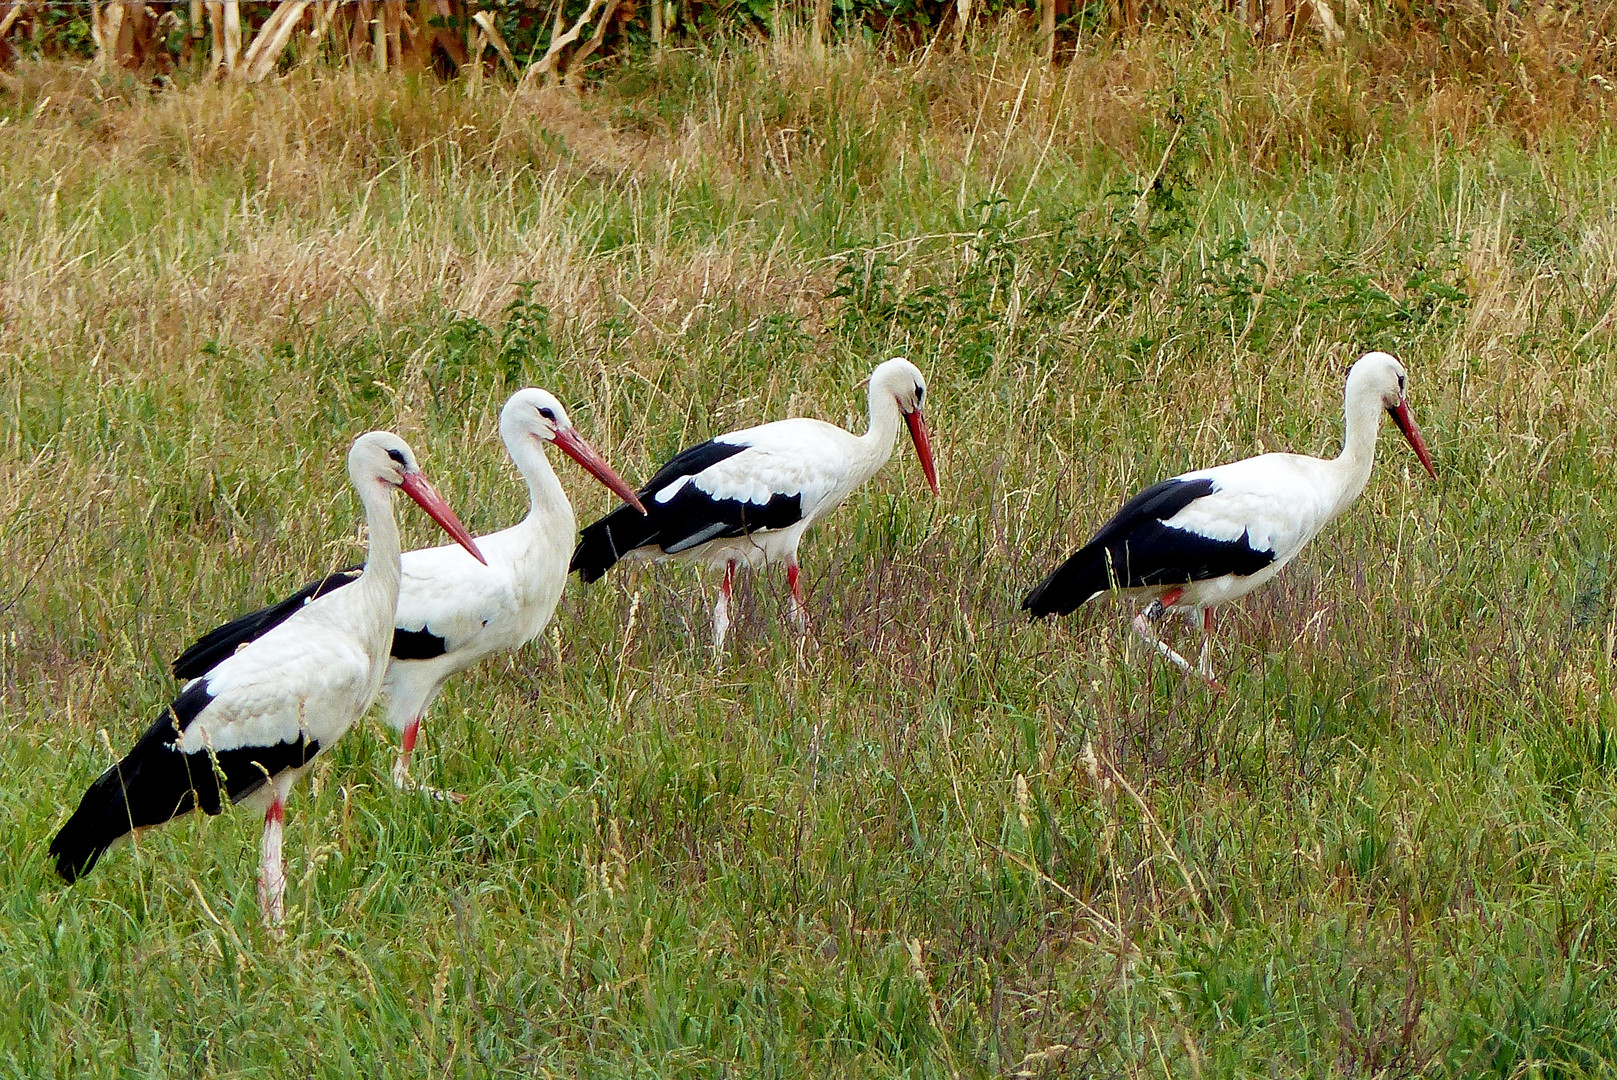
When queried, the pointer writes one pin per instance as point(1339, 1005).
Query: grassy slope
point(934, 840)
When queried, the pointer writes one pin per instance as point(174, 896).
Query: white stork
point(1205, 538)
point(247, 728)
point(746, 497)
point(453, 610)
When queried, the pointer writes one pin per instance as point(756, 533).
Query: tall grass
point(932, 840)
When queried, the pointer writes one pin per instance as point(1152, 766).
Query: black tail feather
point(1083, 576)
point(155, 782)
point(604, 542)
point(149, 786)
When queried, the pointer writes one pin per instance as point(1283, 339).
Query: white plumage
point(745, 498)
point(478, 611)
point(454, 611)
point(254, 721)
point(1207, 537)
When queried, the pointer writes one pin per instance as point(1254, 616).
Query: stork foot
point(1145, 627)
point(401, 771)
point(405, 782)
point(1145, 624)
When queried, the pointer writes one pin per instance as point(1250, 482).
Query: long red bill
point(574, 446)
point(426, 496)
point(1406, 424)
point(923, 446)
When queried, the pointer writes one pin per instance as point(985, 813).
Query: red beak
point(574, 446)
point(923, 446)
point(1406, 424)
point(426, 496)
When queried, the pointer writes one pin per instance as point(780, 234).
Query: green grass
point(934, 840)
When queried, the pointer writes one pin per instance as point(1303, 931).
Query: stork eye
point(397, 455)
point(920, 395)
point(548, 413)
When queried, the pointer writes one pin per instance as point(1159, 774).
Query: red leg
point(799, 609)
point(401, 766)
point(1205, 667)
point(1144, 625)
point(721, 610)
point(272, 872)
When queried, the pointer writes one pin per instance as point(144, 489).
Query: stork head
point(532, 413)
point(381, 457)
point(903, 382)
point(1381, 375)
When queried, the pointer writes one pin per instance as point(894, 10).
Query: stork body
point(1204, 538)
point(248, 727)
point(745, 498)
point(454, 611)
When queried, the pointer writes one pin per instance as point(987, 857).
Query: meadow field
point(931, 839)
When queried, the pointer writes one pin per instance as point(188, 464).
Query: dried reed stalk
point(547, 64)
point(271, 40)
point(393, 28)
point(575, 63)
point(474, 77)
point(103, 25)
point(232, 34)
point(322, 23)
point(17, 8)
point(359, 32)
point(379, 39)
point(485, 20)
point(216, 22)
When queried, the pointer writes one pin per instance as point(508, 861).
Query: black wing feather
point(222, 642)
point(690, 518)
point(154, 783)
point(417, 644)
point(1136, 549)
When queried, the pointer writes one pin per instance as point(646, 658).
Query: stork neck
point(382, 571)
point(1362, 420)
point(877, 440)
point(545, 495)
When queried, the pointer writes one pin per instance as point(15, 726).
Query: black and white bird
point(1205, 538)
point(454, 610)
point(251, 724)
point(746, 497)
